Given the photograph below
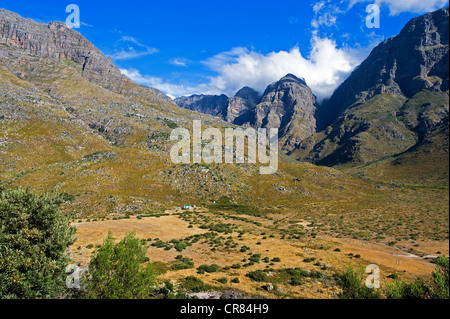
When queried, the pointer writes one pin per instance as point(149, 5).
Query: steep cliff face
point(60, 129)
point(415, 60)
point(241, 107)
point(238, 110)
point(72, 76)
point(58, 42)
point(290, 106)
point(392, 102)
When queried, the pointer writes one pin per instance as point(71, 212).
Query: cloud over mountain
point(324, 69)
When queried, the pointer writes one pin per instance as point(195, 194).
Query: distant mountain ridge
point(391, 102)
point(288, 105)
point(56, 41)
point(392, 110)
point(215, 105)
point(415, 60)
point(394, 103)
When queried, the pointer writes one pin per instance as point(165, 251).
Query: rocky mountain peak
point(392, 103)
point(58, 42)
point(290, 106)
point(416, 59)
point(292, 77)
point(247, 93)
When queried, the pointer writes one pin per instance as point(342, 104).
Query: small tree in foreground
point(34, 236)
point(353, 287)
point(120, 271)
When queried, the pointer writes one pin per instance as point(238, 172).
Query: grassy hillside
point(410, 134)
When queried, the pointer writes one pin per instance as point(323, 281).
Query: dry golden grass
point(292, 253)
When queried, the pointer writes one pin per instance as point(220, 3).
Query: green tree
point(353, 286)
point(34, 237)
point(441, 278)
point(119, 271)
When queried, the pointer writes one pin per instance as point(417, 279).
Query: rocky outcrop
point(391, 102)
point(58, 42)
point(290, 106)
point(416, 59)
point(215, 105)
point(238, 110)
point(241, 107)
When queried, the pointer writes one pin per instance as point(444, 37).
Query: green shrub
point(184, 263)
point(209, 269)
point(235, 280)
point(171, 124)
point(393, 276)
point(256, 258)
point(351, 282)
point(34, 237)
point(309, 260)
point(402, 290)
point(223, 280)
point(353, 285)
point(258, 275)
point(117, 271)
point(193, 284)
point(181, 246)
point(244, 249)
point(296, 281)
point(441, 278)
point(65, 197)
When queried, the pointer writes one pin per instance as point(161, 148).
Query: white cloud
point(318, 6)
point(412, 6)
point(86, 24)
point(293, 20)
point(325, 14)
point(132, 40)
point(324, 70)
point(172, 90)
point(326, 67)
point(179, 62)
point(130, 52)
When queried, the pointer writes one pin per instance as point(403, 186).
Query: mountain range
point(70, 120)
point(288, 105)
point(362, 179)
point(394, 105)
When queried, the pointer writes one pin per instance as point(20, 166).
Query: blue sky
point(187, 47)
